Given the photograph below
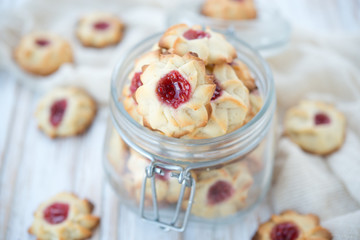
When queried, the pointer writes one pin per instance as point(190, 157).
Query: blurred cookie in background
point(229, 9)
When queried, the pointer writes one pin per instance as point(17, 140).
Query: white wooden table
point(33, 167)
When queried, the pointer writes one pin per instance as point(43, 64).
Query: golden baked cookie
point(256, 103)
point(220, 193)
point(42, 53)
point(210, 46)
point(291, 225)
point(129, 90)
point(65, 217)
point(65, 111)
point(243, 73)
point(175, 95)
point(229, 9)
point(229, 104)
point(99, 30)
point(118, 152)
point(316, 127)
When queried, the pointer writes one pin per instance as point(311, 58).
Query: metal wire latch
point(184, 178)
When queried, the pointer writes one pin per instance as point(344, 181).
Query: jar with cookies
point(191, 135)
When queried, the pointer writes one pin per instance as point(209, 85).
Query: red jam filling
point(195, 34)
point(56, 213)
point(321, 118)
point(219, 192)
point(217, 92)
point(173, 89)
point(57, 112)
point(285, 231)
point(101, 26)
point(42, 42)
point(135, 82)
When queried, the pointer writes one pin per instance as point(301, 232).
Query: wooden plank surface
point(33, 167)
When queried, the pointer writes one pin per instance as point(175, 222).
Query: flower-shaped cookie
point(42, 53)
point(64, 216)
point(256, 104)
point(291, 225)
point(316, 127)
point(129, 90)
point(65, 111)
point(210, 46)
point(229, 9)
point(229, 104)
point(243, 73)
point(99, 30)
point(220, 193)
point(175, 95)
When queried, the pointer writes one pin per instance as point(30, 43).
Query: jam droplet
point(217, 92)
point(135, 82)
point(219, 192)
point(284, 231)
point(101, 26)
point(57, 112)
point(56, 213)
point(195, 34)
point(321, 118)
point(173, 89)
point(42, 42)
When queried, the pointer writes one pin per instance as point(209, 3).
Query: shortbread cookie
point(42, 53)
point(210, 46)
point(220, 193)
point(129, 90)
point(118, 152)
point(99, 30)
point(65, 111)
point(229, 104)
point(229, 9)
point(291, 225)
point(175, 95)
point(243, 73)
point(316, 127)
point(64, 216)
point(256, 103)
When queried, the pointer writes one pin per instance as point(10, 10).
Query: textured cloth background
point(316, 67)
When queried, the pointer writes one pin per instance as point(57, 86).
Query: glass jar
point(269, 32)
point(173, 180)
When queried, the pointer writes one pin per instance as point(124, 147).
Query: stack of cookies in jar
point(190, 85)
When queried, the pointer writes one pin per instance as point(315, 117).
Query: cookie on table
point(291, 225)
point(210, 46)
point(175, 95)
point(64, 216)
point(220, 193)
point(229, 104)
point(243, 73)
point(99, 30)
point(42, 53)
point(229, 9)
point(316, 127)
point(65, 111)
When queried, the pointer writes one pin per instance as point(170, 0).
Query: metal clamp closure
point(186, 181)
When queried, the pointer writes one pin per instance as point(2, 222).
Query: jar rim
point(192, 143)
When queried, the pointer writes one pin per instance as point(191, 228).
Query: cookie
point(243, 73)
point(65, 111)
point(42, 53)
point(291, 225)
point(99, 30)
point(316, 127)
point(117, 152)
point(229, 9)
point(175, 95)
point(220, 193)
point(256, 103)
point(64, 216)
point(229, 104)
point(210, 46)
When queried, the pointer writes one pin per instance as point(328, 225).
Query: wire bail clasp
point(184, 178)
